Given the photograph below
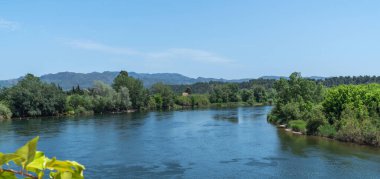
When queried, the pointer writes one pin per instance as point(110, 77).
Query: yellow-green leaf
point(40, 175)
point(60, 166)
point(66, 175)
point(78, 174)
point(77, 166)
point(5, 158)
point(38, 164)
point(28, 151)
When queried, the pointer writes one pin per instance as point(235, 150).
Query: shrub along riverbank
point(33, 98)
point(348, 113)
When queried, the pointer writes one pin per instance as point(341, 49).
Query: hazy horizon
point(146, 73)
point(213, 39)
point(195, 77)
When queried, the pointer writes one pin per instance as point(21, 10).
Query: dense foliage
point(346, 112)
point(31, 97)
point(347, 80)
point(295, 98)
point(207, 87)
point(34, 164)
point(5, 112)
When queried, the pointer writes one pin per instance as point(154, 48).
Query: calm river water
point(209, 143)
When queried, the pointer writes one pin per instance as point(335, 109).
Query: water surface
point(209, 143)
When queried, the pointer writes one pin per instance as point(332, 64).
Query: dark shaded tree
point(31, 97)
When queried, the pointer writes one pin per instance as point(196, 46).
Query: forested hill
point(69, 79)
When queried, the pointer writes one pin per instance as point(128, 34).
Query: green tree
point(295, 98)
point(31, 97)
point(138, 95)
point(246, 94)
point(105, 97)
point(5, 112)
point(260, 94)
point(224, 93)
point(123, 99)
point(158, 101)
point(79, 104)
point(121, 80)
point(166, 93)
point(188, 90)
point(152, 103)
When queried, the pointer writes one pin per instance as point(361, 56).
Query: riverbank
point(304, 136)
point(289, 130)
point(285, 128)
point(175, 108)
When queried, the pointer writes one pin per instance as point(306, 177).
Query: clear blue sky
point(213, 38)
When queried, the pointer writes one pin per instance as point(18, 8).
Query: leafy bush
point(199, 100)
point(327, 130)
point(152, 103)
point(370, 133)
point(358, 128)
point(34, 163)
point(183, 101)
point(158, 101)
point(83, 111)
point(315, 118)
point(79, 104)
point(5, 112)
point(251, 101)
point(291, 111)
point(273, 118)
point(363, 99)
point(350, 131)
point(298, 125)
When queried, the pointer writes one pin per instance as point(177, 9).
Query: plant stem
point(20, 173)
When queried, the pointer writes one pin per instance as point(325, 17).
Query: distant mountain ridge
point(69, 79)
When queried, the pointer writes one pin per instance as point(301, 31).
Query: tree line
point(347, 80)
point(31, 97)
point(206, 87)
point(346, 112)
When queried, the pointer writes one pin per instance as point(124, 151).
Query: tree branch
point(19, 173)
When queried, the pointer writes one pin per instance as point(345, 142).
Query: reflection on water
point(29, 127)
point(230, 116)
point(302, 145)
point(207, 143)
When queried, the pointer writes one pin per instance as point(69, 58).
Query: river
point(207, 143)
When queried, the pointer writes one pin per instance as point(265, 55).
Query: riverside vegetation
point(343, 112)
point(348, 113)
point(33, 98)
